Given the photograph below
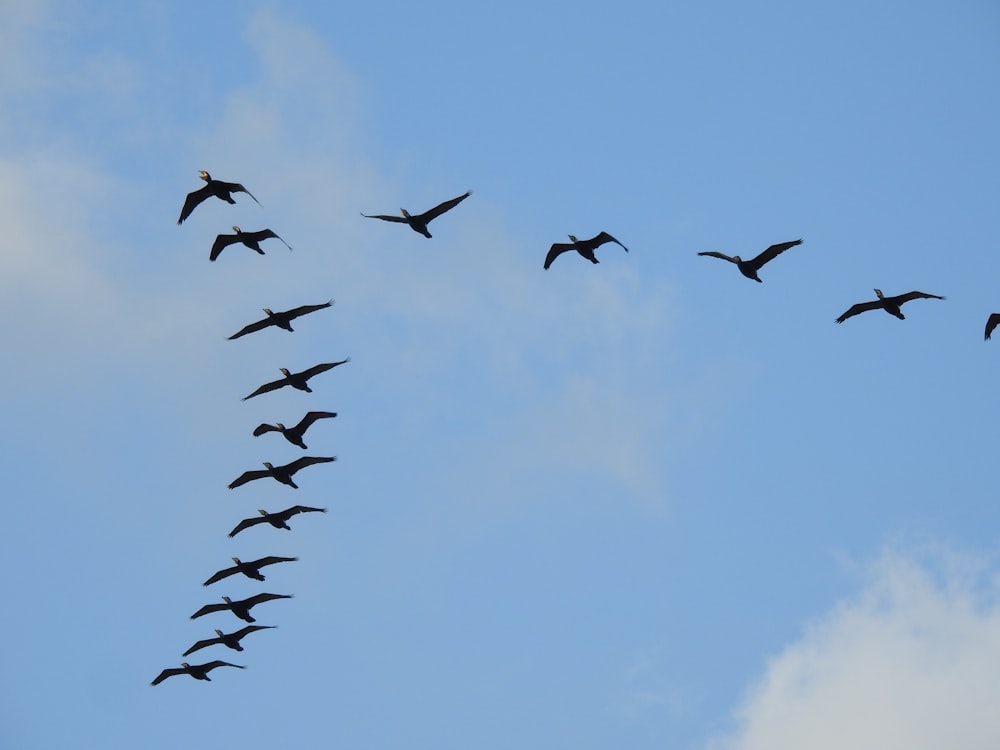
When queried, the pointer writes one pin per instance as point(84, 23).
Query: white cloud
point(912, 663)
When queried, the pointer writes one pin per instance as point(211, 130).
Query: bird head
point(236, 560)
point(738, 259)
point(218, 632)
point(227, 600)
point(878, 293)
point(268, 465)
point(405, 212)
point(285, 371)
point(185, 664)
point(279, 425)
point(262, 511)
point(572, 237)
point(237, 229)
point(268, 311)
point(204, 175)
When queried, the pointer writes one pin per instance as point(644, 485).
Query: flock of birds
point(749, 268)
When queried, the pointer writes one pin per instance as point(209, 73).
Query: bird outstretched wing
point(265, 234)
point(221, 243)
point(246, 523)
point(442, 207)
point(860, 308)
point(255, 326)
point(992, 322)
point(296, 312)
point(900, 299)
point(224, 573)
point(249, 476)
point(235, 187)
point(167, 673)
point(268, 387)
point(384, 217)
point(714, 254)
point(600, 239)
point(301, 463)
point(209, 608)
point(557, 249)
point(202, 644)
point(317, 369)
point(306, 422)
point(191, 202)
point(773, 252)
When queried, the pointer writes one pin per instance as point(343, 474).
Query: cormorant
point(294, 434)
point(992, 322)
point(278, 520)
point(279, 319)
point(249, 569)
point(218, 188)
point(584, 247)
point(419, 223)
point(198, 671)
point(281, 473)
point(240, 608)
point(296, 379)
point(889, 304)
point(232, 640)
point(749, 268)
point(250, 239)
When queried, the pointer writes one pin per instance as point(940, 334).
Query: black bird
point(240, 608)
point(218, 188)
point(992, 322)
point(294, 434)
point(889, 304)
point(749, 268)
point(419, 223)
point(584, 247)
point(278, 520)
point(232, 640)
point(296, 379)
point(249, 569)
point(198, 671)
point(281, 473)
point(279, 319)
point(250, 239)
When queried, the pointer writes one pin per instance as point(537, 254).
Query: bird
point(992, 322)
point(278, 520)
point(232, 640)
point(296, 379)
point(584, 247)
point(890, 304)
point(749, 268)
point(241, 608)
point(198, 671)
point(249, 569)
point(250, 239)
point(294, 434)
point(419, 222)
point(218, 188)
point(281, 473)
point(279, 319)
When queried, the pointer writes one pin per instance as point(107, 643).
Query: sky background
point(647, 503)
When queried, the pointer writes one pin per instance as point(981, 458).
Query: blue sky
point(647, 503)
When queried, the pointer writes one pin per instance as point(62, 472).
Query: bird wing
point(557, 249)
point(317, 369)
point(306, 422)
point(992, 322)
point(213, 664)
point(262, 428)
point(301, 463)
point(221, 243)
point(267, 387)
point(714, 254)
point(224, 573)
point(249, 476)
point(296, 509)
point(901, 298)
point(167, 673)
point(600, 239)
point(271, 560)
point(202, 644)
point(193, 199)
point(296, 312)
point(235, 187)
point(860, 308)
point(264, 234)
point(256, 326)
point(383, 217)
point(260, 598)
point(250, 629)
point(773, 252)
point(209, 608)
point(246, 523)
point(442, 207)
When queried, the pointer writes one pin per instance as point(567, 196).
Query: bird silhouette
point(890, 304)
point(198, 671)
point(250, 239)
point(419, 222)
point(279, 319)
point(218, 188)
point(749, 268)
point(278, 520)
point(249, 569)
point(584, 247)
point(296, 379)
point(241, 608)
point(282, 474)
point(230, 640)
point(294, 434)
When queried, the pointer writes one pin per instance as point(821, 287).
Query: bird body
point(418, 223)
point(230, 640)
point(218, 188)
point(282, 474)
point(278, 520)
point(241, 608)
point(584, 247)
point(294, 434)
point(749, 268)
point(279, 319)
point(249, 569)
point(297, 380)
point(250, 239)
point(890, 304)
point(198, 671)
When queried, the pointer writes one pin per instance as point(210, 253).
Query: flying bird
point(584, 247)
point(232, 640)
point(278, 520)
point(249, 569)
point(281, 473)
point(279, 319)
point(890, 304)
point(198, 671)
point(992, 322)
point(218, 188)
point(241, 608)
point(294, 434)
point(250, 239)
point(749, 268)
point(296, 379)
point(419, 222)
